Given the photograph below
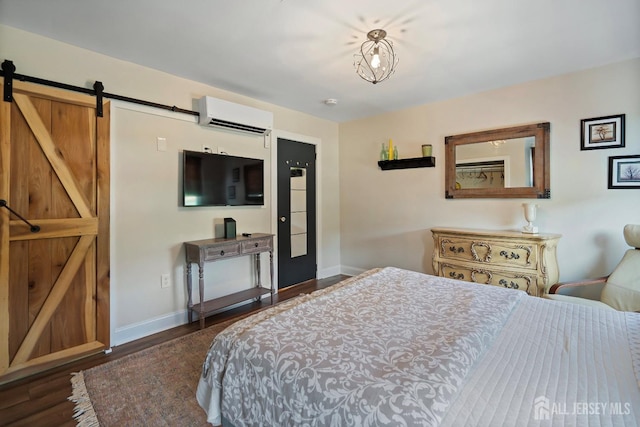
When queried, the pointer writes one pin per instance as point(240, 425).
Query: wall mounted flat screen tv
point(222, 180)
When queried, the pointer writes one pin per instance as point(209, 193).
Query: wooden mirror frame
point(541, 180)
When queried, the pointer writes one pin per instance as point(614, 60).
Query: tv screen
point(222, 180)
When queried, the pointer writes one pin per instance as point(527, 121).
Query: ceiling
point(297, 53)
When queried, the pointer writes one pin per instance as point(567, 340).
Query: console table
point(510, 259)
point(209, 250)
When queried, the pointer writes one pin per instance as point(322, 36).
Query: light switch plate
point(161, 143)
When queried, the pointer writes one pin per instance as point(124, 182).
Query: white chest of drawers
point(510, 259)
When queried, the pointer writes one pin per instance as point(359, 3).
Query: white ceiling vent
point(228, 115)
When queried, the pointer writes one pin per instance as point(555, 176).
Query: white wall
point(386, 215)
point(148, 226)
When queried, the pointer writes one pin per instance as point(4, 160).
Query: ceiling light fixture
point(376, 60)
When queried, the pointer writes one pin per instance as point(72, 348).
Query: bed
point(396, 347)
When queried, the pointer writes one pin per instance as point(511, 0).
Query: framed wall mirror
point(500, 163)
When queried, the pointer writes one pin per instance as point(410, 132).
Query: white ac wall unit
point(224, 114)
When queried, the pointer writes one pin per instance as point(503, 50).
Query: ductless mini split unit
point(228, 115)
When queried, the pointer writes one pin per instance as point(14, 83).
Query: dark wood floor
point(41, 400)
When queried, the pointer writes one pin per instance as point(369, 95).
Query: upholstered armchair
point(620, 290)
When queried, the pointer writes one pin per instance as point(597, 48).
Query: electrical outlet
point(206, 148)
point(165, 281)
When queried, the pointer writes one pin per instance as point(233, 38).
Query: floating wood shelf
point(417, 162)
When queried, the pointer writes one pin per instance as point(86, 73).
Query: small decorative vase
point(426, 150)
point(395, 153)
point(530, 216)
point(384, 153)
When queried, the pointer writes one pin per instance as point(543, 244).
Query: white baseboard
point(328, 272)
point(351, 271)
point(148, 327)
point(161, 323)
point(152, 326)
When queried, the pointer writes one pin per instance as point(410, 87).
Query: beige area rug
point(153, 387)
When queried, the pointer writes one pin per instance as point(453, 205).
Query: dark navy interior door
point(297, 261)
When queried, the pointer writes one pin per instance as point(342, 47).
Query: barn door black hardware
point(8, 69)
point(34, 228)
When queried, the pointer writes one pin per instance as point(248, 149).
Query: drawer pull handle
point(255, 244)
point(221, 253)
point(458, 276)
point(508, 255)
point(509, 285)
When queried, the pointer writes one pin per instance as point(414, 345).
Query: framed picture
point(602, 132)
point(624, 171)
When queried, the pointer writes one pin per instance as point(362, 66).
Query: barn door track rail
point(8, 71)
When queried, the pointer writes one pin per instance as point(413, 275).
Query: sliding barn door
point(54, 284)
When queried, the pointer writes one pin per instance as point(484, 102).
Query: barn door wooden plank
point(54, 94)
point(68, 326)
point(22, 142)
point(5, 173)
point(34, 197)
point(57, 162)
point(53, 228)
point(57, 293)
point(53, 359)
point(89, 324)
point(103, 314)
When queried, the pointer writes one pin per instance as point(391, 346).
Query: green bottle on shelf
point(383, 153)
point(395, 153)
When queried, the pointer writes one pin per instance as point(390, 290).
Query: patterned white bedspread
point(390, 347)
point(394, 347)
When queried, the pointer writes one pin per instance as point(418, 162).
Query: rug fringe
point(83, 412)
